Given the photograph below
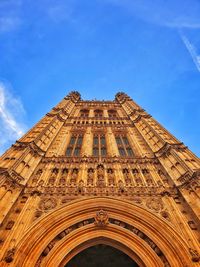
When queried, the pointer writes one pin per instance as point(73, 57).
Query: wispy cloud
point(11, 112)
point(192, 50)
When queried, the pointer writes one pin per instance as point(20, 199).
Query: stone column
point(111, 143)
point(91, 113)
point(87, 143)
point(105, 113)
point(6, 203)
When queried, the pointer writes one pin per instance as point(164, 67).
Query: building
point(96, 176)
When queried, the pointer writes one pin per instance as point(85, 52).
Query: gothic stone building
point(99, 178)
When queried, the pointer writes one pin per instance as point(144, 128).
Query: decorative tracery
point(75, 144)
point(124, 147)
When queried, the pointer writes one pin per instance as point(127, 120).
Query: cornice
point(167, 147)
point(129, 191)
point(14, 178)
point(94, 103)
point(32, 145)
point(138, 116)
point(51, 114)
point(37, 149)
point(98, 124)
point(60, 118)
point(187, 178)
point(108, 160)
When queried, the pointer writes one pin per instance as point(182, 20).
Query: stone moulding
point(125, 215)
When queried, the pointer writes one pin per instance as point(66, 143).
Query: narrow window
point(74, 147)
point(123, 146)
point(69, 151)
point(99, 145)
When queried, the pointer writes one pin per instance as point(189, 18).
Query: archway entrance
point(58, 237)
point(101, 255)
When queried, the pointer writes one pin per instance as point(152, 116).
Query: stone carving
point(163, 176)
point(62, 181)
point(121, 186)
point(47, 203)
point(74, 176)
point(101, 218)
point(111, 177)
point(37, 176)
point(137, 200)
point(165, 215)
point(194, 254)
point(9, 225)
point(192, 225)
point(38, 213)
point(154, 204)
point(100, 176)
point(10, 255)
point(81, 186)
point(90, 176)
point(127, 177)
point(51, 181)
point(138, 181)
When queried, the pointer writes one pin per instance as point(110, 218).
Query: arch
point(101, 254)
point(58, 236)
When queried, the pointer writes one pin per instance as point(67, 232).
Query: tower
point(95, 173)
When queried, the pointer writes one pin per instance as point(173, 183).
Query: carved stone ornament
point(101, 218)
point(154, 204)
point(47, 204)
point(9, 256)
point(194, 254)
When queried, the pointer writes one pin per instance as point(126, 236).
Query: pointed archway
point(146, 238)
point(101, 255)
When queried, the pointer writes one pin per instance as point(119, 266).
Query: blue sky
point(149, 49)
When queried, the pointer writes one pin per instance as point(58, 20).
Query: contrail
point(192, 50)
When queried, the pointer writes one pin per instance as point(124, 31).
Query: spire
point(74, 95)
point(122, 97)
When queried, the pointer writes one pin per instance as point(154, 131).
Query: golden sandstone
point(99, 172)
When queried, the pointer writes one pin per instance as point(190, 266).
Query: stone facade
point(99, 172)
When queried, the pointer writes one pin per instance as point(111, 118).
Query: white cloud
point(192, 50)
point(11, 112)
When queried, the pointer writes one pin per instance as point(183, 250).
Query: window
point(98, 113)
point(84, 113)
point(99, 145)
point(74, 147)
point(123, 146)
point(112, 113)
point(72, 141)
